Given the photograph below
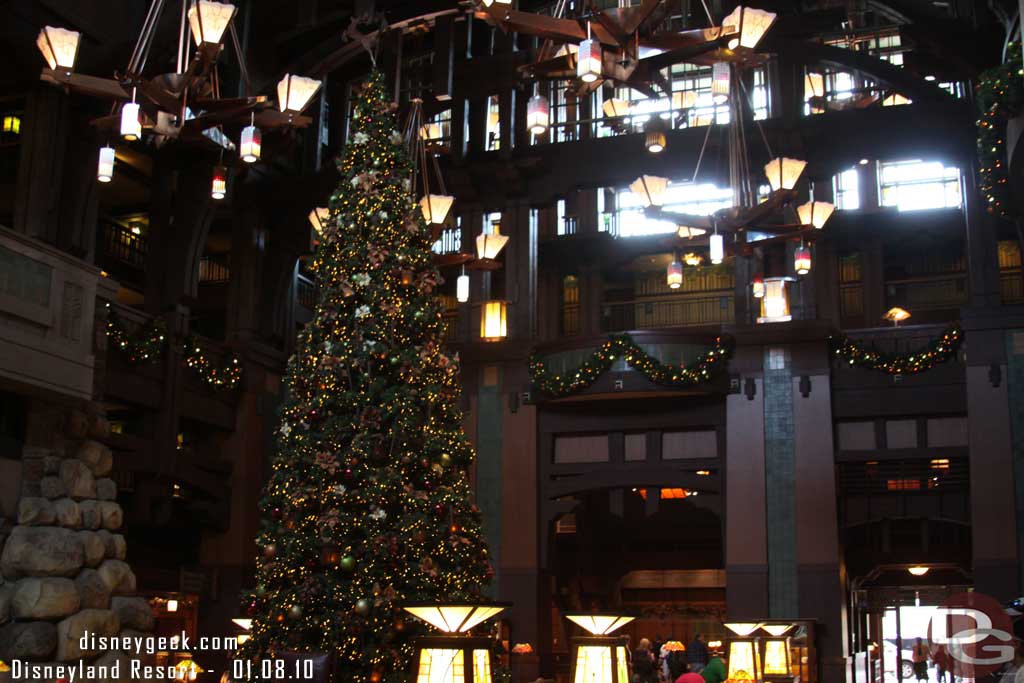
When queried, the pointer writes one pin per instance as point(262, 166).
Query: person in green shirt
point(714, 672)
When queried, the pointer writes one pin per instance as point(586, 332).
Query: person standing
point(644, 667)
point(697, 653)
point(920, 655)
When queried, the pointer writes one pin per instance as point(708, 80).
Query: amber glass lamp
point(776, 657)
point(599, 657)
point(454, 656)
point(744, 664)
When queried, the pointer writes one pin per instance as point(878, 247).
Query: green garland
point(938, 351)
point(702, 370)
point(225, 377)
point(147, 346)
point(999, 95)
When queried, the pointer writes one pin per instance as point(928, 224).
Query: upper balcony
point(47, 303)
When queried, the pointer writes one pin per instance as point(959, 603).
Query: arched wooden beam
point(899, 79)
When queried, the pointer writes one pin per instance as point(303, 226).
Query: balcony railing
point(686, 311)
point(212, 271)
point(1011, 284)
point(123, 245)
point(451, 327)
point(305, 292)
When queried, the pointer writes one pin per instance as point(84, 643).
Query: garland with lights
point(369, 504)
point(665, 374)
point(225, 377)
point(145, 346)
point(999, 95)
point(938, 351)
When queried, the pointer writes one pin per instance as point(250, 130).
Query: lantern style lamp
point(776, 656)
point(493, 323)
point(172, 605)
point(11, 124)
point(488, 3)
point(600, 657)
point(209, 20)
point(751, 25)
point(692, 259)
point(814, 85)
point(294, 93)
point(654, 139)
point(743, 660)
point(783, 172)
point(615, 108)
point(187, 670)
point(435, 207)
point(318, 218)
point(250, 143)
point(489, 246)
point(717, 245)
point(453, 657)
point(674, 276)
point(802, 260)
point(131, 125)
point(757, 287)
point(105, 168)
point(815, 213)
point(720, 74)
point(588, 60)
point(59, 47)
point(462, 287)
point(650, 189)
point(219, 184)
point(538, 114)
point(775, 302)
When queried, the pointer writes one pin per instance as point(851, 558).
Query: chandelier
point(185, 105)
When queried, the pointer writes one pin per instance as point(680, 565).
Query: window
point(493, 124)
point(450, 240)
point(564, 113)
point(846, 187)
point(701, 199)
point(437, 132)
point(914, 185)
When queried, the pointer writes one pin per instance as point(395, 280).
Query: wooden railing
point(213, 271)
point(928, 293)
point(708, 308)
point(305, 291)
point(1011, 285)
point(123, 245)
point(451, 327)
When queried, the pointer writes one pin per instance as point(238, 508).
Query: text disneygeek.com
point(136, 664)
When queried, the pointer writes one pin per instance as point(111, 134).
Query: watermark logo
point(971, 635)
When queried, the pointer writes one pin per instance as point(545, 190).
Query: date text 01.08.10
point(272, 670)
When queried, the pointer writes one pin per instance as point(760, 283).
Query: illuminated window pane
point(621, 663)
point(914, 185)
point(701, 199)
point(440, 666)
point(847, 190)
point(493, 124)
point(593, 664)
point(481, 666)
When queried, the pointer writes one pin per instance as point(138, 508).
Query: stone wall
point(63, 562)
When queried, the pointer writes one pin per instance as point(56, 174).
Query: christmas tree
point(369, 504)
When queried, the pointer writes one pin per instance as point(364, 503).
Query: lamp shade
point(774, 308)
point(776, 629)
point(783, 172)
point(757, 287)
point(493, 326)
point(208, 20)
point(105, 168)
point(918, 570)
point(814, 85)
point(815, 213)
point(219, 184)
point(692, 259)
point(538, 114)
point(776, 661)
point(802, 260)
point(588, 61)
point(59, 47)
point(650, 189)
point(717, 248)
point(249, 144)
point(488, 3)
point(655, 140)
point(720, 75)
point(489, 246)
point(435, 207)
point(244, 624)
point(599, 624)
point(750, 23)
point(455, 617)
point(462, 288)
point(131, 126)
point(172, 605)
point(318, 218)
point(615, 108)
point(431, 131)
point(742, 628)
point(743, 664)
point(295, 92)
point(686, 99)
point(896, 315)
point(674, 276)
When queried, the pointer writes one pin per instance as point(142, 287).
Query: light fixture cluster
point(208, 22)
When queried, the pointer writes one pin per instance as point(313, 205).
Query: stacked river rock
point(63, 563)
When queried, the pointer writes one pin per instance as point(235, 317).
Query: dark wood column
point(44, 135)
point(521, 271)
point(248, 242)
